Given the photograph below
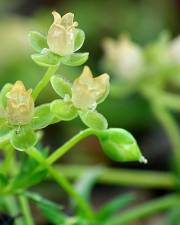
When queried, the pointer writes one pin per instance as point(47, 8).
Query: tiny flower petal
point(61, 34)
point(87, 91)
point(82, 97)
point(57, 17)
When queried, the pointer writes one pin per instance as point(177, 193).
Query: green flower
point(19, 119)
point(62, 41)
point(61, 35)
point(81, 98)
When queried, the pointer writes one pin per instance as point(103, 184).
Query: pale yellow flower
point(124, 57)
point(87, 91)
point(20, 105)
point(61, 35)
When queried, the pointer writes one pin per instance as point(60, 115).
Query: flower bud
point(124, 57)
point(61, 35)
point(87, 91)
point(20, 105)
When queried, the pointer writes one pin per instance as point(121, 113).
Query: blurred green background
point(142, 19)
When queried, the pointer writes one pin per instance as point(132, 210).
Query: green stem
point(125, 177)
point(62, 181)
point(169, 124)
point(44, 81)
point(145, 210)
point(9, 153)
point(173, 132)
point(26, 210)
point(68, 145)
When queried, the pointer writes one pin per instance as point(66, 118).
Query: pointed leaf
point(86, 182)
point(29, 179)
point(42, 117)
point(79, 39)
point(63, 110)
point(75, 59)
point(28, 174)
point(61, 86)
point(111, 207)
point(23, 138)
point(119, 145)
point(37, 41)
point(93, 119)
point(41, 200)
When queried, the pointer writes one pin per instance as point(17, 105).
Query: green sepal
point(79, 39)
point(63, 110)
point(5, 128)
point(120, 145)
point(23, 138)
point(42, 117)
point(104, 96)
point(37, 41)
point(46, 58)
point(93, 119)
point(60, 86)
point(3, 99)
point(75, 59)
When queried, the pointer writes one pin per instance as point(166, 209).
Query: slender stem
point(26, 210)
point(44, 81)
point(172, 131)
point(169, 125)
point(13, 209)
point(9, 152)
point(125, 177)
point(61, 180)
point(68, 145)
point(145, 210)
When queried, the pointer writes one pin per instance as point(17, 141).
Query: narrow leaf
point(111, 207)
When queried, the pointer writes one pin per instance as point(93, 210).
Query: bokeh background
point(143, 20)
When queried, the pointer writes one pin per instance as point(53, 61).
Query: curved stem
point(44, 81)
point(169, 124)
point(61, 180)
point(172, 130)
point(68, 145)
point(145, 210)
